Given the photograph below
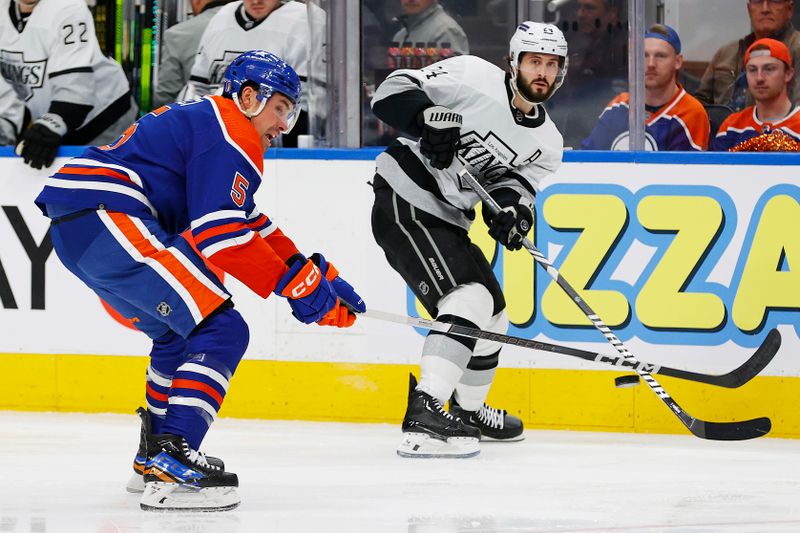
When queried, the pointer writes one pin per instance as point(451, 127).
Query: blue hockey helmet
point(266, 70)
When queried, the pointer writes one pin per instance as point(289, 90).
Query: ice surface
point(67, 473)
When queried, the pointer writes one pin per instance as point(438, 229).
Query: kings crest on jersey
point(54, 56)
point(499, 144)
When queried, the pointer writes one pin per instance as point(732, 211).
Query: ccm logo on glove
point(304, 282)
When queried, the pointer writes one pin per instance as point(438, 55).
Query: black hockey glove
point(40, 142)
point(441, 134)
point(513, 222)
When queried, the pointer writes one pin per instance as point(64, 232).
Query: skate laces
point(491, 416)
point(440, 408)
point(196, 457)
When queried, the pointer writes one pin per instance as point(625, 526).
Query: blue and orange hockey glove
point(310, 295)
point(343, 315)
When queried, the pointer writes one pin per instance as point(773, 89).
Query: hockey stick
point(741, 430)
point(733, 379)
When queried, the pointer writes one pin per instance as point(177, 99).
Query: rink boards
point(690, 258)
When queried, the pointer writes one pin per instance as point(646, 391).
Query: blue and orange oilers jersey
point(679, 125)
point(194, 164)
point(745, 125)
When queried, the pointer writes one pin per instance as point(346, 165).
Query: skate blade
point(161, 496)
point(135, 484)
point(487, 438)
point(423, 446)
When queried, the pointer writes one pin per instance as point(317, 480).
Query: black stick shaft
point(733, 379)
point(707, 430)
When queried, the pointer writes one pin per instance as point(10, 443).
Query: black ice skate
point(495, 424)
point(430, 431)
point(136, 482)
point(178, 478)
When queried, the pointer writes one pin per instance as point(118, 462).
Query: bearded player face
point(536, 75)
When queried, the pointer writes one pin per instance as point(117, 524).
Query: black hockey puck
point(626, 381)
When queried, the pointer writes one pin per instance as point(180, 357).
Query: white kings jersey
point(12, 112)
point(56, 57)
point(284, 32)
point(502, 146)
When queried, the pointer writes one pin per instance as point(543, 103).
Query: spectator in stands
point(280, 28)
point(675, 120)
point(50, 55)
point(773, 122)
point(178, 49)
point(606, 52)
point(376, 29)
point(425, 21)
point(598, 69)
point(12, 112)
point(724, 81)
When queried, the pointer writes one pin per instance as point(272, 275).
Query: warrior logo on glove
point(441, 135)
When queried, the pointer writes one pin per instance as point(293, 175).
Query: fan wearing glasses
point(725, 81)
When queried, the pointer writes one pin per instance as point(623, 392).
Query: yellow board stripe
point(544, 398)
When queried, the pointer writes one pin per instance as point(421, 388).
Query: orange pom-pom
point(774, 141)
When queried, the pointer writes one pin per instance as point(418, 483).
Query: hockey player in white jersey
point(463, 110)
point(271, 25)
point(75, 95)
point(12, 113)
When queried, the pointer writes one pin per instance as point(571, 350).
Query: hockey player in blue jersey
point(117, 211)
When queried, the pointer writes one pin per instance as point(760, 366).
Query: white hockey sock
point(438, 377)
point(472, 397)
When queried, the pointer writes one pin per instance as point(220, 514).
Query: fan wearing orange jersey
point(773, 123)
point(675, 120)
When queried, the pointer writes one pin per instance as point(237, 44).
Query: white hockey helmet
point(540, 38)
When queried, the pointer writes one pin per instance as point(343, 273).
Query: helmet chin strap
point(247, 113)
point(516, 90)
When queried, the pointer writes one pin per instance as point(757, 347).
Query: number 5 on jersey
point(239, 189)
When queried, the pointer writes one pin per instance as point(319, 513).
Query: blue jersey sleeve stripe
point(100, 178)
point(119, 188)
point(232, 222)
